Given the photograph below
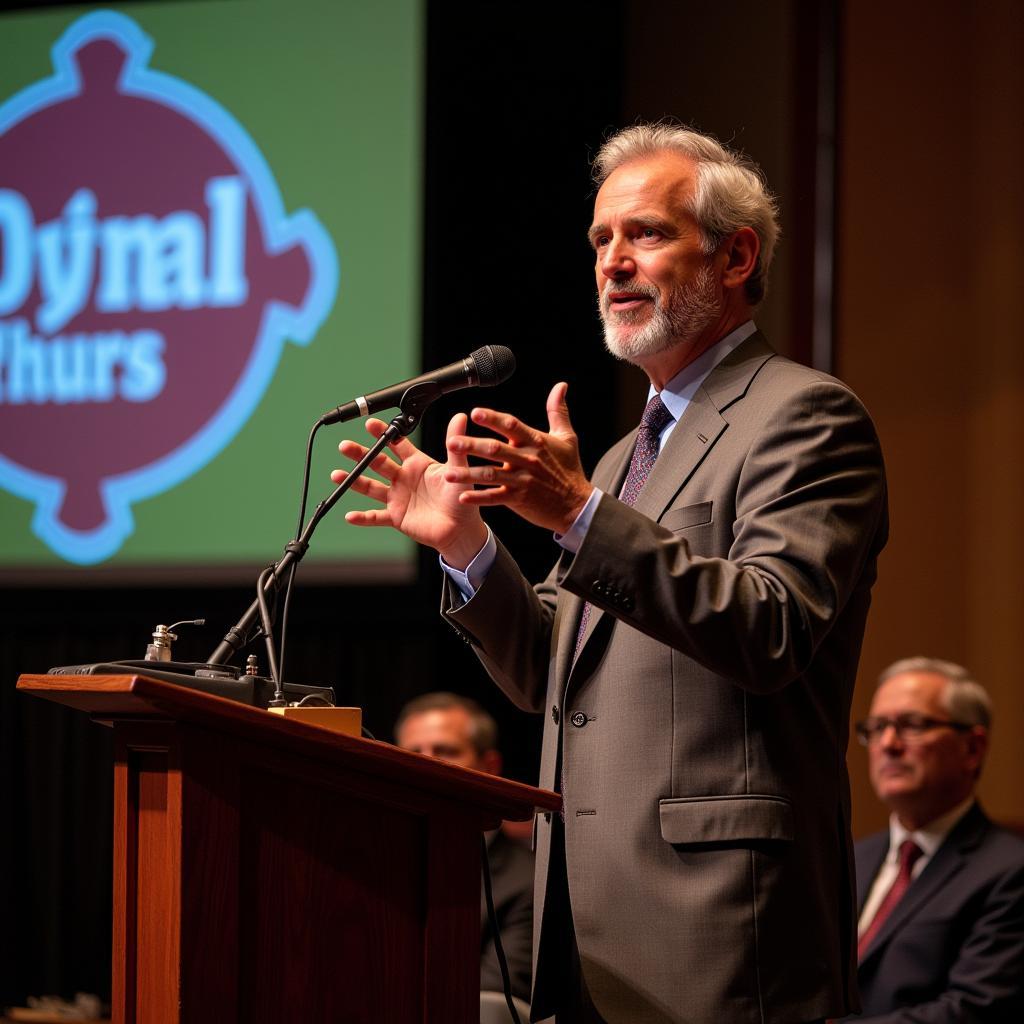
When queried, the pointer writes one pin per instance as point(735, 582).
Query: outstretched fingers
point(509, 426)
point(484, 496)
point(457, 427)
point(403, 447)
point(369, 517)
point(353, 450)
point(558, 410)
point(373, 489)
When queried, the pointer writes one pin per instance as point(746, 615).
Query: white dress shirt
point(928, 839)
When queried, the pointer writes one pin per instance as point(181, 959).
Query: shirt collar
point(679, 391)
point(929, 838)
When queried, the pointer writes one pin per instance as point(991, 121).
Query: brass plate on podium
point(344, 720)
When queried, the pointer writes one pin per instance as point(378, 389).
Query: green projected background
point(329, 93)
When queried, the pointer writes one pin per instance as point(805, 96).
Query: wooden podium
point(269, 871)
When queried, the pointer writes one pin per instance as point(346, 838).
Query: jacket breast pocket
point(689, 515)
point(746, 818)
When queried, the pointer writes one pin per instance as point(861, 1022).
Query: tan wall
point(930, 259)
point(931, 221)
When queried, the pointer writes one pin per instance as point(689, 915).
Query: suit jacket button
point(578, 719)
point(554, 713)
point(627, 603)
point(598, 588)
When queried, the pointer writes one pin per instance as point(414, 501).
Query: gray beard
point(690, 309)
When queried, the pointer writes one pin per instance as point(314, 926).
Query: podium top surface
point(111, 699)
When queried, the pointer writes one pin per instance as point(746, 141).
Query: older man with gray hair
point(694, 649)
point(941, 929)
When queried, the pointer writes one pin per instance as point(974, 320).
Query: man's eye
point(911, 723)
point(601, 241)
point(650, 233)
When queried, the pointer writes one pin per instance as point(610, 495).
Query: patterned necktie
point(652, 423)
point(654, 420)
point(909, 854)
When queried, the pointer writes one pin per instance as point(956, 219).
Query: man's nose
point(890, 738)
point(616, 260)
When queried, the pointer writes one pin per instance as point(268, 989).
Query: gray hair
point(483, 730)
point(966, 700)
point(731, 191)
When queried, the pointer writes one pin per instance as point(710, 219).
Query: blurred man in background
point(458, 730)
point(941, 927)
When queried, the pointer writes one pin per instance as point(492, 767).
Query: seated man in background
point(941, 927)
point(457, 729)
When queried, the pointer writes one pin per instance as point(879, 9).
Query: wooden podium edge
point(110, 698)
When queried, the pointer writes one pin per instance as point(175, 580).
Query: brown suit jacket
point(699, 739)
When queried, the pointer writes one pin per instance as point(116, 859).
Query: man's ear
point(741, 250)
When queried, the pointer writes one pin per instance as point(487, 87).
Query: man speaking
point(695, 646)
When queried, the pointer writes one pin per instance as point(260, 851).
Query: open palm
point(416, 498)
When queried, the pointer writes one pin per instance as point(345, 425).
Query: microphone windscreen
point(494, 364)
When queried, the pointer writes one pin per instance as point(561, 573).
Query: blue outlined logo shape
point(149, 280)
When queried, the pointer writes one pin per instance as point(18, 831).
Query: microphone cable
point(492, 917)
point(298, 533)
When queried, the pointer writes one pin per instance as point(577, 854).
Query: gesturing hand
point(536, 474)
point(417, 497)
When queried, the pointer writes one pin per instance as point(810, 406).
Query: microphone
point(484, 368)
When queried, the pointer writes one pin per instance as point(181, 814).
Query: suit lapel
point(689, 444)
point(611, 483)
point(700, 426)
point(573, 610)
point(948, 860)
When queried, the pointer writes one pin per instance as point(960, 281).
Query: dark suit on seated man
point(941, 928)
point(457, 729)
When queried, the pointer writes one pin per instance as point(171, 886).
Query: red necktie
point(654, 420)
point(909, 854)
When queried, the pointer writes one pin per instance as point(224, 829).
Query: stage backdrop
point(209, 235)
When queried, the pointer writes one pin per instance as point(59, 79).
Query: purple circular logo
point(149, 279)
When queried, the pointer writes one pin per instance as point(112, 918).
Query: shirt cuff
point(468, 583)
point(572, 539)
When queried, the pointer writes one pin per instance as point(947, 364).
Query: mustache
point(646, 291)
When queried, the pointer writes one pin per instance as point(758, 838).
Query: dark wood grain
point(158, 882)
point(125, 890)
point(453, 867)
